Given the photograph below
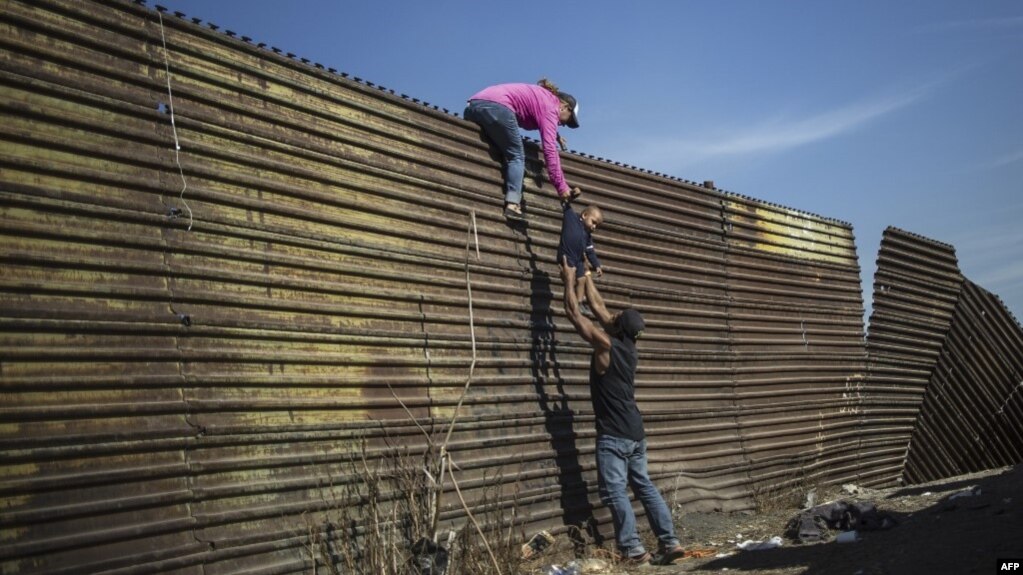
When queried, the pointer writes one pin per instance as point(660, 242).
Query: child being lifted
point(577, 242)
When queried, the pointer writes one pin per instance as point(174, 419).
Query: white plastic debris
point(591, 565)
point(965, 493)
point(851, 489)
point(847, 537)
point(810, 499)
point(750, 545)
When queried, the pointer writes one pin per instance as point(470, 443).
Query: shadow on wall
point(559, 418)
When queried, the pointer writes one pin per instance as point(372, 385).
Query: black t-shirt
point(614, 396)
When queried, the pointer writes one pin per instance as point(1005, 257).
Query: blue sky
point(906, 113)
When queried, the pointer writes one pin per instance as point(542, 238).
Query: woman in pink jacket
point(502, 109)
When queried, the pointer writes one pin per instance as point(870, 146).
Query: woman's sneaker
point(514, 212)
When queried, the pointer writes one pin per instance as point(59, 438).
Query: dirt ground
point(940, 530)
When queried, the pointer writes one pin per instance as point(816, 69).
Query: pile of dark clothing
point(429, 557)
point(815, 523)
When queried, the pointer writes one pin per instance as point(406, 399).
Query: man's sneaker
point(671, 555)
point(514, 212)
point(641, 561)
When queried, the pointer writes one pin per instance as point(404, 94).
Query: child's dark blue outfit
point(576, 241)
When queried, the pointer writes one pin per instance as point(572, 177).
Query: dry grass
point(788, 493)
point(381, 505)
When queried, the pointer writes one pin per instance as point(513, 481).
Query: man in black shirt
point(621, 440)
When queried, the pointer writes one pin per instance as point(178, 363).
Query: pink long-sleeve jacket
point(536, 108)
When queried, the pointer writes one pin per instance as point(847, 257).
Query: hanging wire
point(472, 326)
point(174, 128)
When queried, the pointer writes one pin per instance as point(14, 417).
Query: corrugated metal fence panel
point(194, 356)
point(945, 363)
point(915, 291)
point(916, 287)
point(795, 329)
point(972, 414)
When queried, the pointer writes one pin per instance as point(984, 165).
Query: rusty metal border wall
point(196, 343)
point(946, 363)
point(972, 416)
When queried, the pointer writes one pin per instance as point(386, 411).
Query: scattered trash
point(812, 526)
point(811, 499)
point(723, 554)
point(572, 568)
point(809, 527)
point(429, 557)
point(576, 567)
point(851, 489)
point(750, 545)
point(847, 537)
point(699, 553)
point(537, 544)
point(591, 565)
point(971, 492)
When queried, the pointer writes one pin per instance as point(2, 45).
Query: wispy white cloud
point(993, 240)
point(1006, 275)
point(782, 132)
point(1005, 159)
point(975, 25)
point(988, 251)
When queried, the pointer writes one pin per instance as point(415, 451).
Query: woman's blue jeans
point(500, 125)
point(621, 462)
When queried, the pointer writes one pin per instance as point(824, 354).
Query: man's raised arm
point(597, 304)
point(583, 326)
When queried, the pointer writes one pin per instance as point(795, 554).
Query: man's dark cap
point(631, 323)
